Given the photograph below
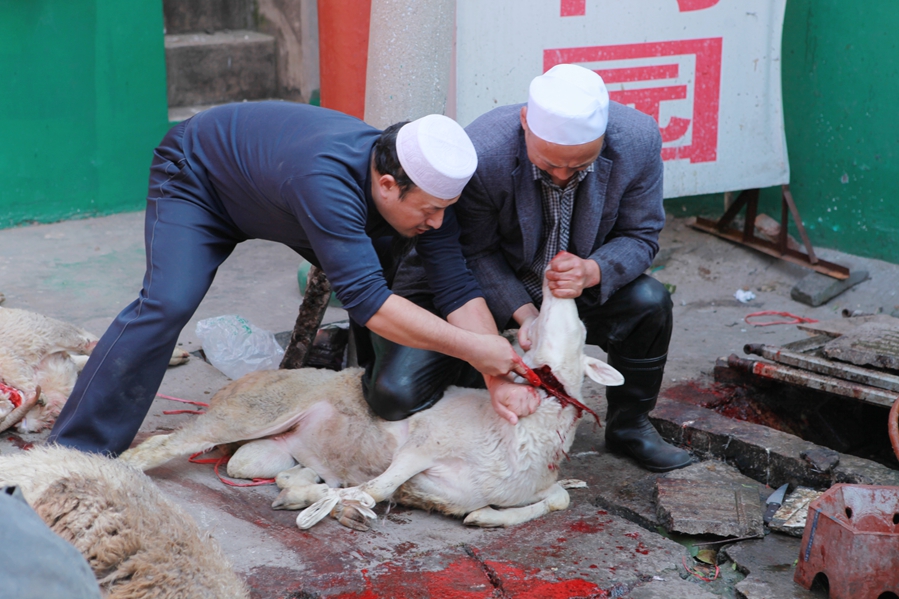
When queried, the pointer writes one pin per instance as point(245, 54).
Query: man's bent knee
point(392, 401)
point(649, 295)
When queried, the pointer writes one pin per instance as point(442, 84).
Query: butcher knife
point(775, 500)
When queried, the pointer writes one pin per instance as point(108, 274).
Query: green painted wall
point(83, 105)
point(841, 97)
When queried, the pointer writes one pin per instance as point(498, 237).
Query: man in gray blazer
point(573, 182)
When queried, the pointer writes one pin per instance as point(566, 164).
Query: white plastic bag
point(234, 346)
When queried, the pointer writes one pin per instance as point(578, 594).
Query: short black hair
point(386, 161)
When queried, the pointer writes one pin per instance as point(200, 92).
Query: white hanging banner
point(708, 71)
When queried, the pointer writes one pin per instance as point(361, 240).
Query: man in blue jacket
point(337, 191)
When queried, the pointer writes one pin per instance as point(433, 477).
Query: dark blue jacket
point(299, 175)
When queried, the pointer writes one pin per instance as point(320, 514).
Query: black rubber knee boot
point(628, 429)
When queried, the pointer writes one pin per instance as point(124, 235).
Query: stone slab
point(671, 589)
point(769, 456)
point(873, 344)
point(816, 289)
point(821, 459)
point(717, 508)
point(769, 565)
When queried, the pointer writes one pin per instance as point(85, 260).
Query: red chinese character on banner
point(681, 77)
point(578, 8)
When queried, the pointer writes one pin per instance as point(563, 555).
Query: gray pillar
point(410, 53)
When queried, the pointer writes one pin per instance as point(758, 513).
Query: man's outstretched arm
point(469, 334)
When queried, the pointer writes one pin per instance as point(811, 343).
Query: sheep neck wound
point(550, 384)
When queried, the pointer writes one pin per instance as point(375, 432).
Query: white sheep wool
point(437, 155)
point(568, 105)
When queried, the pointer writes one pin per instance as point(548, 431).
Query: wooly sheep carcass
point(458, 457)
point(38, 352)
point(139, 544)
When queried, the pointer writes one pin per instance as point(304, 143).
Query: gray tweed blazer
point(617, 215)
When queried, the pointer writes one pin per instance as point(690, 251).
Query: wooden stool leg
point(312, 311)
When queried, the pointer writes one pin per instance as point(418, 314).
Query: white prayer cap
point(437, 155)
point(568, 105)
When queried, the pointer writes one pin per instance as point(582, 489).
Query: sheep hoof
point(353, 514)
point(179, 356)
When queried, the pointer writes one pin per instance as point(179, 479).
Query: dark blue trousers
point(187, 237)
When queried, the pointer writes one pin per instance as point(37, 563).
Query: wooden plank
point(810, 380)
point(847, 372)
point(827, 268)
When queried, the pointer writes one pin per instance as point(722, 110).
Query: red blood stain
point(642, 549)
point(583, 526)
point(20, 443)
point(693, 392)
point(734, 402)
point(602, 512)
point(466, 579)
point(632, 535)
point(404, 548)
point(522, 584)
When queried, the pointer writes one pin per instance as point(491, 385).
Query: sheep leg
point(301, 487)
point(19, 413)
point(556, 499)
point(355, 514)
point(262, 458)
point(159, 449)
point(352, 506)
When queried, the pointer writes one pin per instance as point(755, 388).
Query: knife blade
point(775, 500)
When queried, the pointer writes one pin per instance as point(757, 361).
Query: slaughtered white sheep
point(313, 430)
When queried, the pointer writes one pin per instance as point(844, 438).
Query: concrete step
point(220, 67)
point(189, 16)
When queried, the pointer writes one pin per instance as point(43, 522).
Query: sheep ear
point(601, 372)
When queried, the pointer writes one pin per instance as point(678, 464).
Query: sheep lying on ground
point(458, 457)
point(41, 352)
point(139, 544)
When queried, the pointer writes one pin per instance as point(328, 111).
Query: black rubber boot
point(628, 429)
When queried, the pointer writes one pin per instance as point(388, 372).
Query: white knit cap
point(437, 155)
point(568, 105)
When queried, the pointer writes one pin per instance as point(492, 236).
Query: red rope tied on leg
point(202, 404)
point(223, 460)
point(796, 319)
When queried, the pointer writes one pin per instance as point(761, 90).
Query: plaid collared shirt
point(558, 206)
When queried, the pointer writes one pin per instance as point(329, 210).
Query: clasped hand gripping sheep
point(313, 431)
